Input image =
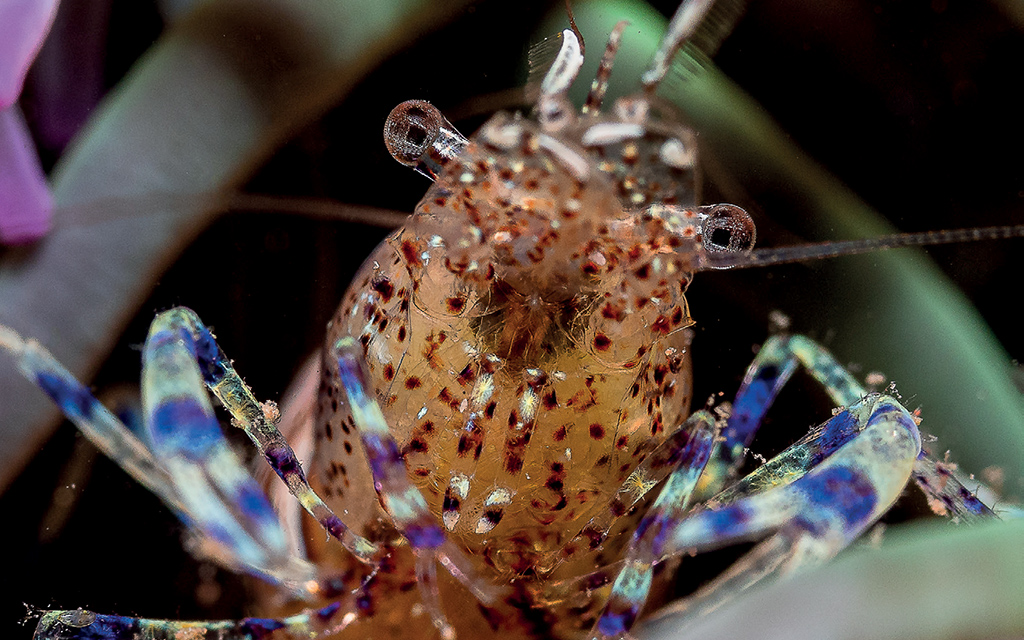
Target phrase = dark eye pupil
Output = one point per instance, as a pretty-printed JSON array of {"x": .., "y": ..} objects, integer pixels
[
  {"x": 416, "y": 135},
  {"x": 721, "y": 237}
]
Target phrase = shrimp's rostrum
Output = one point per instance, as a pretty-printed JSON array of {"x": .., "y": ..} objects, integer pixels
[{"x": 503, "y": 386}]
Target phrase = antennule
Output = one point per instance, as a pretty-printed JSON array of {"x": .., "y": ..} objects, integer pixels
[{"x": 683, "y": 25}]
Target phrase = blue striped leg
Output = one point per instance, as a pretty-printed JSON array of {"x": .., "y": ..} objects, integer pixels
[
  {"x": 178, "y": 336},
  {"x": 768, "y": 373},
  {"x": 186, "y": 460},
  {"x": 863, "y": 458},
  {"x": 633, "y": 583},
  {"x": 255, "y": 548},
  {"x": 311, "y": 623},
  {"x": 400, "y": 498},
  {"x": 681, "y": 458}
]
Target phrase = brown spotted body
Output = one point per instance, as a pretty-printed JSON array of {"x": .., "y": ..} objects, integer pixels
[{"x": 526, "y": 337}]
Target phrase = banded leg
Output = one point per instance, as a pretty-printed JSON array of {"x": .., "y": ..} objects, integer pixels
[
  {"x": 864, "y": 455},
  {"x": 633, "y": 583},
  {"x": 193, "y": 470},
  {"x": 311, "y": 623},
  {"x": 249, "y": 548},
  {"x": 181, "y": 335},
  {"x": 399, "y": 497},
  {"x": 773, "y": 366}
]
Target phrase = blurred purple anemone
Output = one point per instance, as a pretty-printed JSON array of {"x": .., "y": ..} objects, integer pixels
[{"x": 25, "y": 202}]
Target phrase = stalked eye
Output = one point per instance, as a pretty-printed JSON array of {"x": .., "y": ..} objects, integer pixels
[
  {"x": 418, "y": 136},
  {"x": 410, "y": 130},
  {"x": 726, "y": 227}
]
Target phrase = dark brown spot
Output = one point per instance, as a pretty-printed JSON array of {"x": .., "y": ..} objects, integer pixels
[
  {"x": 596, "y": 431},
  {"x": 660, "y": 371},
  {"x": 446, "y": 396},
  {"x": 456, "y": 304},
  {"x": 383, "y": 287},
  {"x": 411, "y": 253},
  {"x": 550, "y": 401},
  {"x": 513, "y": 463},
  {"x": 417, "y": 445},
  {"x": 412, "y": 382},
  {"x": 613, "y": 312},
  {"x": 601, "y": 341},
  {"x": 468, "y": 375}
]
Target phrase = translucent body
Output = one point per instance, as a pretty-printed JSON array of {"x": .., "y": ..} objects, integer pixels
[{"x": 526, "y": 337}]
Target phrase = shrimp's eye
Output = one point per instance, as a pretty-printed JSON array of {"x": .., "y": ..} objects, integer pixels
[
  {"x": 727, "y": 228},
  {"x": 411, "y": 129}
]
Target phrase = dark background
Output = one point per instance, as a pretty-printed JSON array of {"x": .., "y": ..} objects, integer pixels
[{"x": 914, "y": 105}]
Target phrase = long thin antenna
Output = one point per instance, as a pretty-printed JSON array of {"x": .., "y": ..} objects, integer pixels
[{"x": 805, "y": 252}]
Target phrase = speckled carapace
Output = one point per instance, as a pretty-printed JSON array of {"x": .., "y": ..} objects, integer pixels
[{"x": 526, "y": 335}]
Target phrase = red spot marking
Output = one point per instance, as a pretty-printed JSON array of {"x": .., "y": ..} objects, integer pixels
[
  {"x": 467, "y": 376},
  {"x": 389, "y": 372},
  {"x": 446, "y": 397},
  {"x": 471, "y": 440},
  {"x": 416, "y": 445},
  {"x": 560, "y": 434},
  {"x": 411, "y": 253},
  {"x": 513, "y": 463},
  {"x": 550, "y": 401},
  {"x": 601, "y": 341},
  {"x": 456, "y": 304},
  {"x": 412, "y": 382},
  {"x": 661, "y": 325},
  {"x": 596, "y": 431},
  {"x": 622, "y": 442},
  {"x": 434, "y": 342},
  {"x": 383, "y": 287},
  {"x": 401, "y": 333},
  {"x": 613, "y": 312},
  {"x": 660, "y": 371}
]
